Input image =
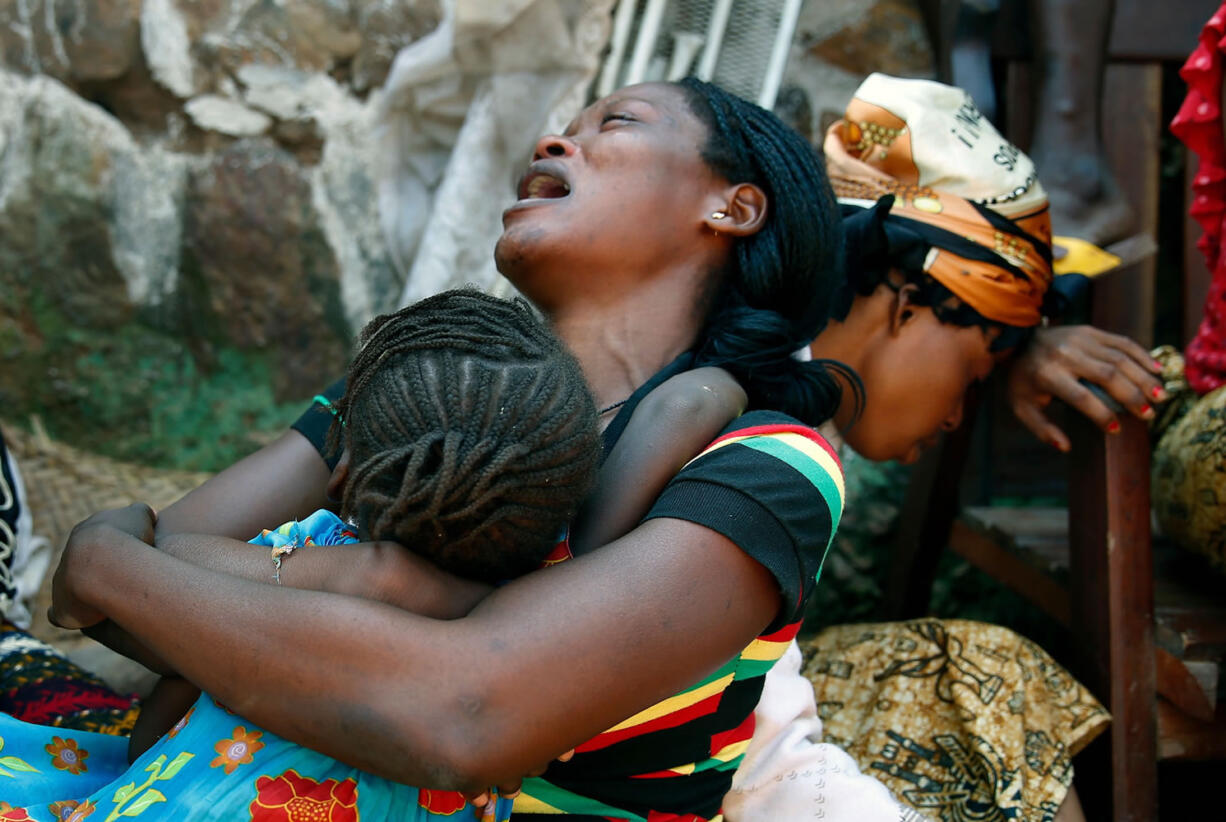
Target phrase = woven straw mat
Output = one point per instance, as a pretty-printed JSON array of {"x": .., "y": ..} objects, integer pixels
[{"x": 65, "y": 485}]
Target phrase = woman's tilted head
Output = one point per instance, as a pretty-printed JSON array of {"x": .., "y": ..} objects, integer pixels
[
  {"x": 948, "y": 255},
  {"x": 688, "y": 181},
  {"x": 470, "y": 434},
  {"x": 621, "y": 196}
]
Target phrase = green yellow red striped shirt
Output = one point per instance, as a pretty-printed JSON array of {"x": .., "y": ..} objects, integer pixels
[{"x": 775, "y": 488}]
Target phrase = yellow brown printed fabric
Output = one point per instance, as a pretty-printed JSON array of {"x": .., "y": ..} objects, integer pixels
[
  {"x": 953, "y": 714},
  {"x": 949, "y": 169}
]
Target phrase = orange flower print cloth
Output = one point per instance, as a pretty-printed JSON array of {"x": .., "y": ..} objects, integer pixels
[
  {"x": 66, "y": 756},
  {"x": 238, "y": 749}
]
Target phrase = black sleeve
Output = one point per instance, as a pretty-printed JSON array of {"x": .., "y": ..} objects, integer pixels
[
  {"x": 317, "y": 419},
  {"x": 772, "y": 486}
]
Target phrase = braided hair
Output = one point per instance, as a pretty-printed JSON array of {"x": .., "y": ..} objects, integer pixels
[
  {"x": 777, "y": 291},
  {"x": 471, "y": 434}
]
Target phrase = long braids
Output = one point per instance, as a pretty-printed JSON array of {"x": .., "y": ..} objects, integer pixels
[
  {"x": 778, "y": 291},
  {"x": 471, "y": 434}
]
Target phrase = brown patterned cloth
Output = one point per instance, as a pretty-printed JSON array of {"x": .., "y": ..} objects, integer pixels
[
  {"x": 961, "y": 720},
  {"x": 1188, "y": 479}
]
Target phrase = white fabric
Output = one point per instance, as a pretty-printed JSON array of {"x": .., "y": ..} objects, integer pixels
[
  {"x": 24, "y": 558},
  {"x": 789, "y": 774},
  {"x": 457, "y": 120},
  {"x": 955, "y": 148}
]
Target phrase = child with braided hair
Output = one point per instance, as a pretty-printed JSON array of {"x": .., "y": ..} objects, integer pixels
[{"x": 467, "y": 434}]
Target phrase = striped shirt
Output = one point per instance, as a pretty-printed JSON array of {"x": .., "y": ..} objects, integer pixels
[{"x": 775, "y": 488}]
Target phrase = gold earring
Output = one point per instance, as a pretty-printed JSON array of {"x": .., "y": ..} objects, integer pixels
[{"x": 718, "y": 215}]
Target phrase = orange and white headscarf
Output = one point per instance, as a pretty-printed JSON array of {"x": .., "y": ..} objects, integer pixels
[{"x": 970, "y": 193}]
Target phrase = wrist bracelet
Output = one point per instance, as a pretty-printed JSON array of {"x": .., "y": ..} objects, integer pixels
[{"x": 277, "y": 553}]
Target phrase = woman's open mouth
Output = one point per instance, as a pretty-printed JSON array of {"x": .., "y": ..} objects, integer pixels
[{"x": 543, "y": 180}]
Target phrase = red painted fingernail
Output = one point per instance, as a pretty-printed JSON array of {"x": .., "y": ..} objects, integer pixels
[
  {"x": 1157, "y": 392},
  {"x": 1055, "y": 444},
  {"x": 1113, "y": 427},
  {"x": 1145, "y": 409},
  {"x": 1157, "y": 365}
]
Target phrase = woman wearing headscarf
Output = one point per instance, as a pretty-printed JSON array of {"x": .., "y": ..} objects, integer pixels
[{"x": 948, "y": 273}]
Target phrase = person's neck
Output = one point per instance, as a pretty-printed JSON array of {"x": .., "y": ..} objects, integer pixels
[
  {"x": 848, "y": 341},
  {"x": 621, "y": 344}
]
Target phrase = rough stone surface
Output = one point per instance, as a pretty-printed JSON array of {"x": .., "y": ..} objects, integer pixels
[
  {"x": 57, "y": 192},
  {"x": 212, "y": 112},
  {"x": 840, "y": 42},
  {"x": 200, "y": 167},
  {"x": 70, "y": 39},
  {"x": 254, "y": 250},
  {"x": 386, "y": 27},
  {"x": 888, "y": 37}
]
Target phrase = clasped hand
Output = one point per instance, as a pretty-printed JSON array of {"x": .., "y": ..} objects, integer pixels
[{"x": 69, "y": 608}]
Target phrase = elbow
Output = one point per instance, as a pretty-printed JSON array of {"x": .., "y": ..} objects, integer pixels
[
  {"x": 676, "y": 405},
  {"x": 377, "y": 573},
  {"x": 466, "y": 748},
  {"x": 712, "y": 401}
]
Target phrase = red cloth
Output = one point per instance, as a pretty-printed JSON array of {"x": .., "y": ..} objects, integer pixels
[{"x": 1199, "y": 126}]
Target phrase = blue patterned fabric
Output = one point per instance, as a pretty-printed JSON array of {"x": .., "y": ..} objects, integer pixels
[{"x": 213, "y": 765}]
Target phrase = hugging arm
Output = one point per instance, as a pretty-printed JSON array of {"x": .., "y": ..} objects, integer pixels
[
  {"x": 401, "y": 695},
  {"x": 283, "y": 481},
  {"x": 1052, "y": 366}
]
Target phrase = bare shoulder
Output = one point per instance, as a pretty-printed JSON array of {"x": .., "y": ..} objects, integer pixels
[{"x": 700, "y": 392}]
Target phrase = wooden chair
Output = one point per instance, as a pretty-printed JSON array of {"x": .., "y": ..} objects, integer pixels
[{"x": 1146, "y": 642}]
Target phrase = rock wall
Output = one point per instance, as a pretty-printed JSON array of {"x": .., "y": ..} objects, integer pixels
[
  {"x": 189, "y": 230},
  {"x": 189, "y": 177},
  {"x": 840, "y": 42}
]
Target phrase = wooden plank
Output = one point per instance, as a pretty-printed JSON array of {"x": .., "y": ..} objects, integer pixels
[
  {"x": 1191, "y": 739},
  {"x": 1112, "y": 589},
  {"x": 1144, "y": 30},
  {"x": 1040, "y": 533},
  {"x": 1178, "y": 683},
  {"x": 1124, "y": 301},
  {"x": 1004, "y": 565}
]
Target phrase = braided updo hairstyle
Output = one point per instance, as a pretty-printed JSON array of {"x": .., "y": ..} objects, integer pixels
[
  {"x": 777, "y": 292},
  {"x": 471, "y": 434}
]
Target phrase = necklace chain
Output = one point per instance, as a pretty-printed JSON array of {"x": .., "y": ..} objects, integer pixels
[{"x": 609, "y": 408}]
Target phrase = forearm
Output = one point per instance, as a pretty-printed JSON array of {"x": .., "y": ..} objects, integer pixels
[
  {"x": 458, "y": 704},
  {"x": 297, "y": 664},
  {"x": 379, "y": 571},
  {"x": 121, "y": 642},
  {"x": 383, "y": 572}
]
